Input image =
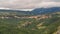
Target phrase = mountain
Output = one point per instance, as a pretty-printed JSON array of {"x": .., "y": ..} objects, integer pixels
[
  {"x": 36, "y": 11},
  {"x": 14, "y": 25},
  {"x": 45, "y": 10},
  {"x": 10, "y": 23},
  {"x": 18, "y": 12}
]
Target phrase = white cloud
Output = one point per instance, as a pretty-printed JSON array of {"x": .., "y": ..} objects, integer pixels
[
  {"x": 29, "y": 4},
  {"x": 49, "y": 4}
]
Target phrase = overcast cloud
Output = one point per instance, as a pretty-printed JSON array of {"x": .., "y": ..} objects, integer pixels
[{"x": 29, "y": 4}]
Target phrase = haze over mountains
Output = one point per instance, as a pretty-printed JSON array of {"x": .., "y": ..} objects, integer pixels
[
  {"x": 36, "y": 11},
  {"x": 16, "y": 9}
]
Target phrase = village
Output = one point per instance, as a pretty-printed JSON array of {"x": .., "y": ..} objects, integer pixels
[{"x": 36, "y": 17}]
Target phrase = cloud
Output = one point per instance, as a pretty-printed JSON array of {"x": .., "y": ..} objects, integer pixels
[
  {"x": 49, "y": 4},
  {"x": 29, "y": 4}
]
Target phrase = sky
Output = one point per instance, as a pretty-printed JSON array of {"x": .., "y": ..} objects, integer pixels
[{"x": 29, "y": 4}]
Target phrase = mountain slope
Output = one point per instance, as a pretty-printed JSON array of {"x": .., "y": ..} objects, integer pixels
[
  {"x": 45, "y": 10},
  {"x": 37, "y": 11}
]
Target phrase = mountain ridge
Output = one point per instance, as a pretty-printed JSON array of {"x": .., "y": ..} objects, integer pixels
[{"x": 36, "y": 11}]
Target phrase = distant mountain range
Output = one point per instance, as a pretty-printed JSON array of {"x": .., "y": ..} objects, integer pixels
[
  {"x": 36, "y": 11},
  {"x": 45, "y": 10}
]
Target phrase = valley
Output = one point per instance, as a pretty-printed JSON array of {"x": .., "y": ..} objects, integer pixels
[{"x": 20, "y": 22}]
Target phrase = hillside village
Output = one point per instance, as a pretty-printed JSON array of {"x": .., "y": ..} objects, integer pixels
[
  {"x": 6, "y": 15},
  {"x": 36, "y": 17}
]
